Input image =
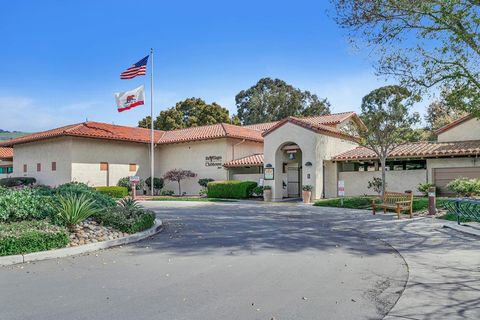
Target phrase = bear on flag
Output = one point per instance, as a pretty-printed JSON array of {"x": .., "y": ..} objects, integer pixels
[{"x": 130, "y": 99}]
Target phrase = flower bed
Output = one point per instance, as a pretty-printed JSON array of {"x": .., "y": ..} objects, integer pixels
[{"x": 42, "y": 218}]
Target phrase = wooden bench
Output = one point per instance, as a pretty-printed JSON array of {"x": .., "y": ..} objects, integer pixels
[{"x": 395, "y": 201}]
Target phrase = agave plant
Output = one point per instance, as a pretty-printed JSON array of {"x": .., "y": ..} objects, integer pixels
[
  {"x": 74, "y": 208},
  {"x": 129, "y": 207},
  {"x": 129, "y": 204}
]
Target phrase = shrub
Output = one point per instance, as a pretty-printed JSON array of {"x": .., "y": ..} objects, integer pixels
[
  {"x": 74, "y": 208},
  {"x": 376, "y": 184},
  {"x": 157, "y": 183},
  {"x": 125, "y": 221},
  {"x": 232, "y": 189},
  {"x": 257, "y": 191},
  {"x": 23, "y": 204},
  {"x": 31, "y": 236},
  {"x": 465, "y": 187},
  {"x": 125, "y": 182},
  {"x": 167, "y": 192},
  {"x": 423, "y": 187},
  {"x": 17, "y": 182},
  {"x": 113, "y": 191},
  {"x": 101, "y": 200},
  {"x": 204, "y": 182}
]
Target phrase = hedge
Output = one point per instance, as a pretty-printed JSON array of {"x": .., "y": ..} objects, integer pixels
[
  {"x": 17, "y": 182},
  {"x": 113, "y": 191},
  {"x": 31, "y": 236},
  {"x": 232, "y": 189}
]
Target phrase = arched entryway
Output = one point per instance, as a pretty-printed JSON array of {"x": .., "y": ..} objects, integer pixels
[{"x": 288, "y": 175}]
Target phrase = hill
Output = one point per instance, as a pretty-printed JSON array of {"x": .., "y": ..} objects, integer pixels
[{"x": 5, "y": 135}]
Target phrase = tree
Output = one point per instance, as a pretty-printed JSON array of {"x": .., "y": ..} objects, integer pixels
[
  {"x": 274, "y": 99},
  {"x": 188, "y": 113},
  {"x": 440, "y": 113},
  {"x": 157, "y": 183},
  {"x": 388, "y": 122},
  {"x": 178, "y": 175},
  {"x": 424, "y": 44}
]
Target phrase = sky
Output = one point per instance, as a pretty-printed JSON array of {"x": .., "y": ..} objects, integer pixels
[{"x": 61, "y": 60}]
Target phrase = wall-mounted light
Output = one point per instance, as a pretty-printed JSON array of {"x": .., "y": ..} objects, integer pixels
[
  {"x": 268, "y": 165},
  {"x": 308, "y": 164}
]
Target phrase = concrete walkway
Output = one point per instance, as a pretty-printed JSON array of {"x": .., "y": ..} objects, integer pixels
[{"x": 444, "y": 265}]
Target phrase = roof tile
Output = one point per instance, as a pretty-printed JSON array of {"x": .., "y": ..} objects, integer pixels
[
  {"x": 6, "y": 153},
  {"x": 418, "y": 149},
  {"x": 252, "y": 160}
]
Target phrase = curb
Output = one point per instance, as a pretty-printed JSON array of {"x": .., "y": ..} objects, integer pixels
[
  {"x": 70, "y": 251},
  {"x": 463, "y": 229}
]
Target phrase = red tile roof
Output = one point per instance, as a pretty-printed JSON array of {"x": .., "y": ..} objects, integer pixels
[
  {"x": 100, "y": 130},
  {"x": 253, "y": 160},
  {"x": 453, "y": 124},
  {"x": 313, "y": 125},
  {"x": 107, "y": 131},
  {"x": 418, "y": 150},
  {"x": 6, "y": 153},
  {"x": 214, "y": 131},
  {"x": 90, "y": 129}
]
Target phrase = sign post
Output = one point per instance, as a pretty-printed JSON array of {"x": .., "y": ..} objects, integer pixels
[
  {"x": 432, "y": 206},
  {"x": 134, "y": 180},
  {"x": 341, "y": 190}
]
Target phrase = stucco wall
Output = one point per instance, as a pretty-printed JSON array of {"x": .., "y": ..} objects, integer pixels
[
  {"x": 468, "y": 130},
  {"x": 330, "y": 179},
  {"x": 87, "y": 154},
  {"x": 240, "y": 148},
  {"x": 45, "y": 152},
  {"x": 315, "y": 149},
  {"x": 191, "y": 156},
  {"x": 247, "y": 177},
  {"x": 450, "y": 163},
  {"x": 397, "y": 181}
]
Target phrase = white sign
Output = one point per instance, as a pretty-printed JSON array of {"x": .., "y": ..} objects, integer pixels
[
  {"x": 134, "y": 179},
  {"x": 341, "y": 188}
]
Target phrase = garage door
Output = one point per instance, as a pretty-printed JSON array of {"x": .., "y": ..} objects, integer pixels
[{"x": 442, "y": 176}]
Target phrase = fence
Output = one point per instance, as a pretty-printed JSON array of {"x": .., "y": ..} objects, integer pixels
[{"x": 467, "y": 209}]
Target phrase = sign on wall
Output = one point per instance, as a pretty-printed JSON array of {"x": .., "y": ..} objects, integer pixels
[
  {"x": 268, "y": 173},
  {"x": 213, "y": 161}
]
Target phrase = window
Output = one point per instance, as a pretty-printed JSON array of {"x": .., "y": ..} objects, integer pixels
[
  {"x": 39, "y": 167},
  {"x": 132, "y": 167},
  {"x": 54, "y": 166},
  {"x": 24, "y": 168},
  {"x": 5, "y": 170},
  {"x": 103, "y": 166}
]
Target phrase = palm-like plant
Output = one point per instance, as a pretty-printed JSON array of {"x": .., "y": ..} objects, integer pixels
[
  {"x": 75, "y": 208},
  {"x": 129, "y": 204}
]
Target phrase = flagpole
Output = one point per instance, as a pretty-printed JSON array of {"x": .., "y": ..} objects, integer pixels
[{"x": 152, "y": 157}]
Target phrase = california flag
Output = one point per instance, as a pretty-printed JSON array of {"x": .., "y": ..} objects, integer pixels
[{"x": 130, "y": 99}]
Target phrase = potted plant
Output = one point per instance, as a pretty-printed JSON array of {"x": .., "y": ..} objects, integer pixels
[
  {"x": 307, "y": 193},
  {"x": 267, "y": 193}
]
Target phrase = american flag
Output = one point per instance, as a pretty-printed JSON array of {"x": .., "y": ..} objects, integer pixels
[{"x": 138, "y": 69}]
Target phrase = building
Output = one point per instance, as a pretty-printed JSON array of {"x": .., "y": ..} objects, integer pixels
[
  {"x": 284, "y": 154},
  {"x": 6, "y": 162}
]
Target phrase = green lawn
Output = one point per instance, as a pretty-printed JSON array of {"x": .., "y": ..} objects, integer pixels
[
  {"x": 365, "y": 202},
  {"x": 191, "y": 199}
]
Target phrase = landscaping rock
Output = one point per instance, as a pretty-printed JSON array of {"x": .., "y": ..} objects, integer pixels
[{"x": 89, "y": 231}]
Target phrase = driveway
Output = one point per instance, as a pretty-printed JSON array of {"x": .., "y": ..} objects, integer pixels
[{"x": 253, "y": 261}]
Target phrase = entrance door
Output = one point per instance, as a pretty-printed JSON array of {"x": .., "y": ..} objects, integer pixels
[{"x": 293, "y": 182}]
